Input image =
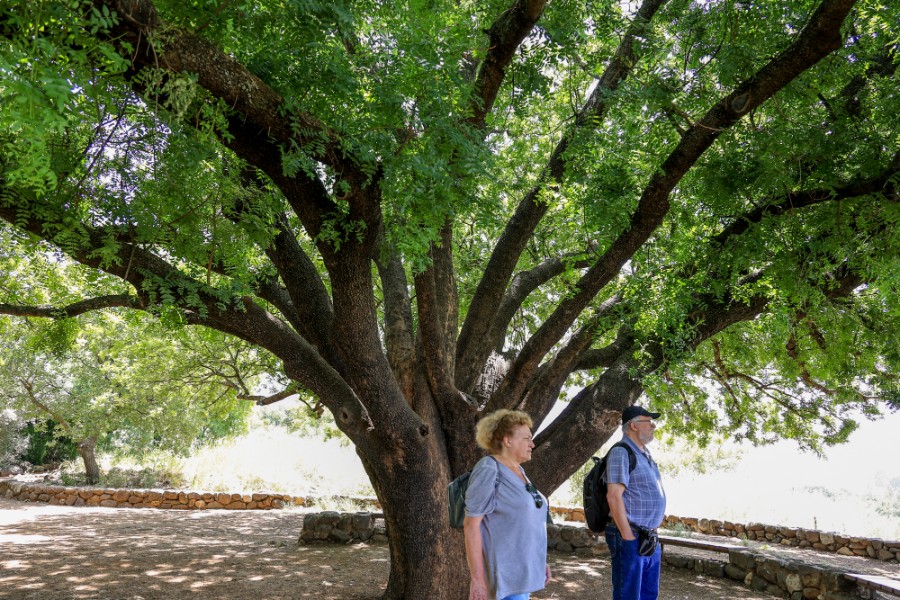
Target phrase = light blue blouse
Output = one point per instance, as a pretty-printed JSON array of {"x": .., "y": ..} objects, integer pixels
[{"x": 513, "y": 529}]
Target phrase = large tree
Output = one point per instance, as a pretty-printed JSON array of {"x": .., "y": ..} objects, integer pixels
[{"x": 431, "y": 210}]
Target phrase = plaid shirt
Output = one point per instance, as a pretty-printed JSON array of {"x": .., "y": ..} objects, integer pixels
[{"x": 645, "y": 498}]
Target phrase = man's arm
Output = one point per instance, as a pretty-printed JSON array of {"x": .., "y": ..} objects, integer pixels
[{"x": 614, "y": 493}]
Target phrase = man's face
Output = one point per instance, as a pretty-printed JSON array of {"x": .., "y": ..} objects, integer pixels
[{"x": 645, "y": 428}]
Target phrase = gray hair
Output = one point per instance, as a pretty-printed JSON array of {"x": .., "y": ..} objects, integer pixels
[{"x": 626, "y": 424}]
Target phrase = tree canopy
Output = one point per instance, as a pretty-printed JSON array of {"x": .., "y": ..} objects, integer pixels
[
  {"x": 431, "y": 210},
  {"x": 124, "y": 381}
]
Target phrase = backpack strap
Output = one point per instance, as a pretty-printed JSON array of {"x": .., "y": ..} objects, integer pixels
[
  {"x": 632, "y": 459},
  {"x": 497, "y": 480}
]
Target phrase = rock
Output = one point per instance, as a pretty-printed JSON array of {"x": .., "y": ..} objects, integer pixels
[
  {"x": 792, "y": 582},
  {"x": 734, "y": 572}
]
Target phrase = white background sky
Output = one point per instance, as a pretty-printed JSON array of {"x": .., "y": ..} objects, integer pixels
[
  {"x": 778, "y": 484},
  {"x": 781, "y": 485}
]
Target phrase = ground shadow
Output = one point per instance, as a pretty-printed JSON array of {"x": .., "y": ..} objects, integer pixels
[{"x": 63, "y": 553}]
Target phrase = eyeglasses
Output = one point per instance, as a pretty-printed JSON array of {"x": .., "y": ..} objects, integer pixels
[
  {"x": 651, "y": 421},
  {"x": 538, "y": 501}
]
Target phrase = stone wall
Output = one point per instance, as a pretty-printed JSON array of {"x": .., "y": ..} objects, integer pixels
[
  {"x": 578, "y": 538},
  {"x": 342, "y": 528},
  {"x": 781, "y": 578},
  {"x": 165, "y": 499},
  {"x": 575, "y": 539},
  {"x": 822, "y": 541}
]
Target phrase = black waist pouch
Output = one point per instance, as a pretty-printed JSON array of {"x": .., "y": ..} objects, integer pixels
[{"x": 648, "y": 540}]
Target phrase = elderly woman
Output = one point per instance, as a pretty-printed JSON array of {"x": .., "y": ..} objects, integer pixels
[{"x": 506, "y": 517}]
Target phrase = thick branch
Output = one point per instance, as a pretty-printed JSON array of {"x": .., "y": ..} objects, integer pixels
[
  {"x": 471, "y": 352},
  {"x": 521, "y": 287},
  {"x": 259, "y": 127},
  {"x": 287, "y": 392},
  {"x": 603, "y": 358},
  {"x": 242, "y": 317},
  {"x": 504, "y": 38},
  {"x": 398, "y": 323},
  {"x": 436, "y": 299},
  {"x": 304, "y": 285},
  {"x": 796, "y": 200},
  {"x": 157, "y": 45},
  {"x": 550, "y": 378},
  {"x": 74, "y": 309},
  {"x": 820, "y": 37}
]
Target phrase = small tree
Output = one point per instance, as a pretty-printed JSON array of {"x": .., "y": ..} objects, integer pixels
[{"x": 122, "y": 383}]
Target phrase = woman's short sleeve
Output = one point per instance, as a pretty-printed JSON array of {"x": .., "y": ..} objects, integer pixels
[{"x": 482, "y": 491}]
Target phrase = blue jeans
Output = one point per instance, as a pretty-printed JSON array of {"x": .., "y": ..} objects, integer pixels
[
  {"x": 517, "y": 597},
  {"x": 634, "y": 577}
]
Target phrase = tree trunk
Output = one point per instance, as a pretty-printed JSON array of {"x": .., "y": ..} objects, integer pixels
[
  {"x": 91, "y": 469},
  {"x": 427, "y": 557}
]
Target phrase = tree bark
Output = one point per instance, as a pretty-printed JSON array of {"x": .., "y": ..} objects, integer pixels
[
  {"x": 86, "y": 448},
  {"x": 427, "y": 557}
]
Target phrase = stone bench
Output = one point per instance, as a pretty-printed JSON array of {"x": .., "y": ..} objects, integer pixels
[
  {"x": 698, "y": 544},
  {"x": 875, "y": 582}
]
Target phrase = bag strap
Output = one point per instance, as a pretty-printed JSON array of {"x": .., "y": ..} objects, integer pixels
[
  {"x": 632, "y": 459},
  {"x": 497, "y": 467}
]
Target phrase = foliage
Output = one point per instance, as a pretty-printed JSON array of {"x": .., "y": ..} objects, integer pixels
[
  {"x": 421, "y": 211},
  {"x": 45, "y": 444},
  {"x": 99, "y": 142},
  {"x": 155, "y": 469},
  {"x": 132, "y": 386},
  {"x": 12, "y": 442}
]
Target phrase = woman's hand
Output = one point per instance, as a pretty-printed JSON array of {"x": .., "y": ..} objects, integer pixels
[
  {"x": 477, "y": 590},
  {"x": 549, "y": 576}
]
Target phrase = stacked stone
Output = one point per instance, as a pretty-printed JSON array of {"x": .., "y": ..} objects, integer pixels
[
  {"x": 822, "y": 541},
  {"x": 165, "y": 499},
  {"x": 788, "y": 579},
  {"x": 341, "y": 528},
  {"x": 565, "y": 513},
  {"x": 704, "y": 566},
  {"x": 572, "y": 539}
]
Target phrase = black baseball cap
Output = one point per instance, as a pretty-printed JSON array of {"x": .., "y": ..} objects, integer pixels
[{"x": 637, "y": 411}]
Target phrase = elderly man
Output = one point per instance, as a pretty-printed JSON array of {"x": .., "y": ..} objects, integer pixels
[{"x": 637, "y": 504}]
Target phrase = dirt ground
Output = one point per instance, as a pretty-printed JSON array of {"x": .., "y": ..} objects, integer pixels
[{"x": 62, "y": 553}]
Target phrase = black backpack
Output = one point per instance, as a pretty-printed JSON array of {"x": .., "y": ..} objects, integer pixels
[{"x": 596, "y": 508}]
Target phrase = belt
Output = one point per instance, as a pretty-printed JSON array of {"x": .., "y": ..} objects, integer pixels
[{"x": 637, "y": 528}]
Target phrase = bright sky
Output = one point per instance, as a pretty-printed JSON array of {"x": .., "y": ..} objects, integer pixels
[{"x": 780, "y": 485}]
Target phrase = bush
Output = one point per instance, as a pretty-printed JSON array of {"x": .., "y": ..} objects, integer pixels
[{"x": 46, "y": 445}]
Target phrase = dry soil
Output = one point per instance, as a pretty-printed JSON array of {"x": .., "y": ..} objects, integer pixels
[{"x": 62, "y": 553}]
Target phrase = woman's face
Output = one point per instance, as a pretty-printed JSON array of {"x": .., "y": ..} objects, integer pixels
[{"x": 519, "y": 444}]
